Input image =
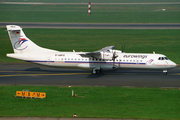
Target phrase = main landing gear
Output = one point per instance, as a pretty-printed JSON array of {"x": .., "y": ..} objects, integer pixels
[
  {"x": 165, "y": 72},
  {"x": 96, "y": 71}
]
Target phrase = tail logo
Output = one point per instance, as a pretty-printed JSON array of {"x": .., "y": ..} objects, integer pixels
[{"x": 19, "y": 45}]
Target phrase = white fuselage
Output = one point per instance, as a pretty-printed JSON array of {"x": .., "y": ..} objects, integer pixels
[{"x": 74, "y": 59}]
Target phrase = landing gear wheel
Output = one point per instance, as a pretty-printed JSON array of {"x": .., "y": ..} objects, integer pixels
[
  {"x": 165, "y": 72},
  {"x": 95, "y": 71},
  {"x": 99, "y": 71}
]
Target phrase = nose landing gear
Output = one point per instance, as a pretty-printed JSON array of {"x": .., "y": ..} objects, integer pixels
[{"x": 165, "y": 72}]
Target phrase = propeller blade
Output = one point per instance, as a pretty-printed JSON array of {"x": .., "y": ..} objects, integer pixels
[{"x": 114, "y": 57}]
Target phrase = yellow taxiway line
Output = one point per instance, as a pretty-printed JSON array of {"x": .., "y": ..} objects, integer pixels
[{"x": 42, "y": 74}]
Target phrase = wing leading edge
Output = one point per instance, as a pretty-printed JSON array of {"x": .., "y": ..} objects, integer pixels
[{"x": 99, "y": 52}]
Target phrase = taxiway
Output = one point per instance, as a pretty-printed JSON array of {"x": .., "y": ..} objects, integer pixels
[
  {"x": 94, "y": 25},
  {"x": 33, "y": 74}
]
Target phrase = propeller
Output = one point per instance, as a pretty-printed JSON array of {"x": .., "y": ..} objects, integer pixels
[{"x": 114, "y": 57}]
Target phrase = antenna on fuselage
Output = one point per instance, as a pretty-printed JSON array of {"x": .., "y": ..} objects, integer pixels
[{"x": 122, "y": 48}]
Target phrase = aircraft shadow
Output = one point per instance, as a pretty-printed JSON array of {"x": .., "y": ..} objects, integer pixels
[
  {"x": 38, "y": 69},
  {"x": 34, "y": 69},
  {"x": 96, "y": 76}
]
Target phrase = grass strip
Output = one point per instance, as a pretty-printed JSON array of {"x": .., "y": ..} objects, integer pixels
[
  {"x": 99, "y": 13},
  {"x": 93, "y": 102}
]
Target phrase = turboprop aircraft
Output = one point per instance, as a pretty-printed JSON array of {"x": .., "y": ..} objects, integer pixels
[{"x": 104, "y": 59}]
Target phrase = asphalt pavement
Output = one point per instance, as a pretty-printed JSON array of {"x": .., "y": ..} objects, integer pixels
[
  {"x": 33, "y": 74},
  {"x": 94, "y": 25}
]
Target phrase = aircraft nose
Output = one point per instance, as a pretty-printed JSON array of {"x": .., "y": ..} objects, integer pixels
[{"x": 173, "y": 64}]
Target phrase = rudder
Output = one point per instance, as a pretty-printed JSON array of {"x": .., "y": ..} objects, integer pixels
[{"x": 19, "y": 41}]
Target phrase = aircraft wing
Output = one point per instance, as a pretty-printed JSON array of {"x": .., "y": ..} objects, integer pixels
[
  {"x": 97, "y": 53},
  {"x": 105, "y": 49}
]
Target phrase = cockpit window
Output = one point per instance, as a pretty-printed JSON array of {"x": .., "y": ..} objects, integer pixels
[
  {"x": 166, "y": 58},
  {"x": 163, "y": 58}
]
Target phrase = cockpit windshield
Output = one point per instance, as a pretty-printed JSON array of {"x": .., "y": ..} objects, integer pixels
[{"x": 163, "y": 58}]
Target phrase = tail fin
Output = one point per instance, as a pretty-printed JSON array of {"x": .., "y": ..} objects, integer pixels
[{"x": 20, "y": 43}]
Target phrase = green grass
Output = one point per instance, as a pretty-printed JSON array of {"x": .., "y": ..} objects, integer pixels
[
  {"x": 98, "y": 102},
  {"x": 99, "y": 14},
  {"x": 165, "y": 42}
]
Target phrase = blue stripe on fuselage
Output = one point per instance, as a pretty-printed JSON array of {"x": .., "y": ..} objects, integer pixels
[{"x": 90, "y": 62}]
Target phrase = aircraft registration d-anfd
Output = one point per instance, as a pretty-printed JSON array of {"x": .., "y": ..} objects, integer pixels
[{"x": 105, "y": 59}]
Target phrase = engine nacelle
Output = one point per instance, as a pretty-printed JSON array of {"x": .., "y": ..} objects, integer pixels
[{"x": 105, "y": 56}]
